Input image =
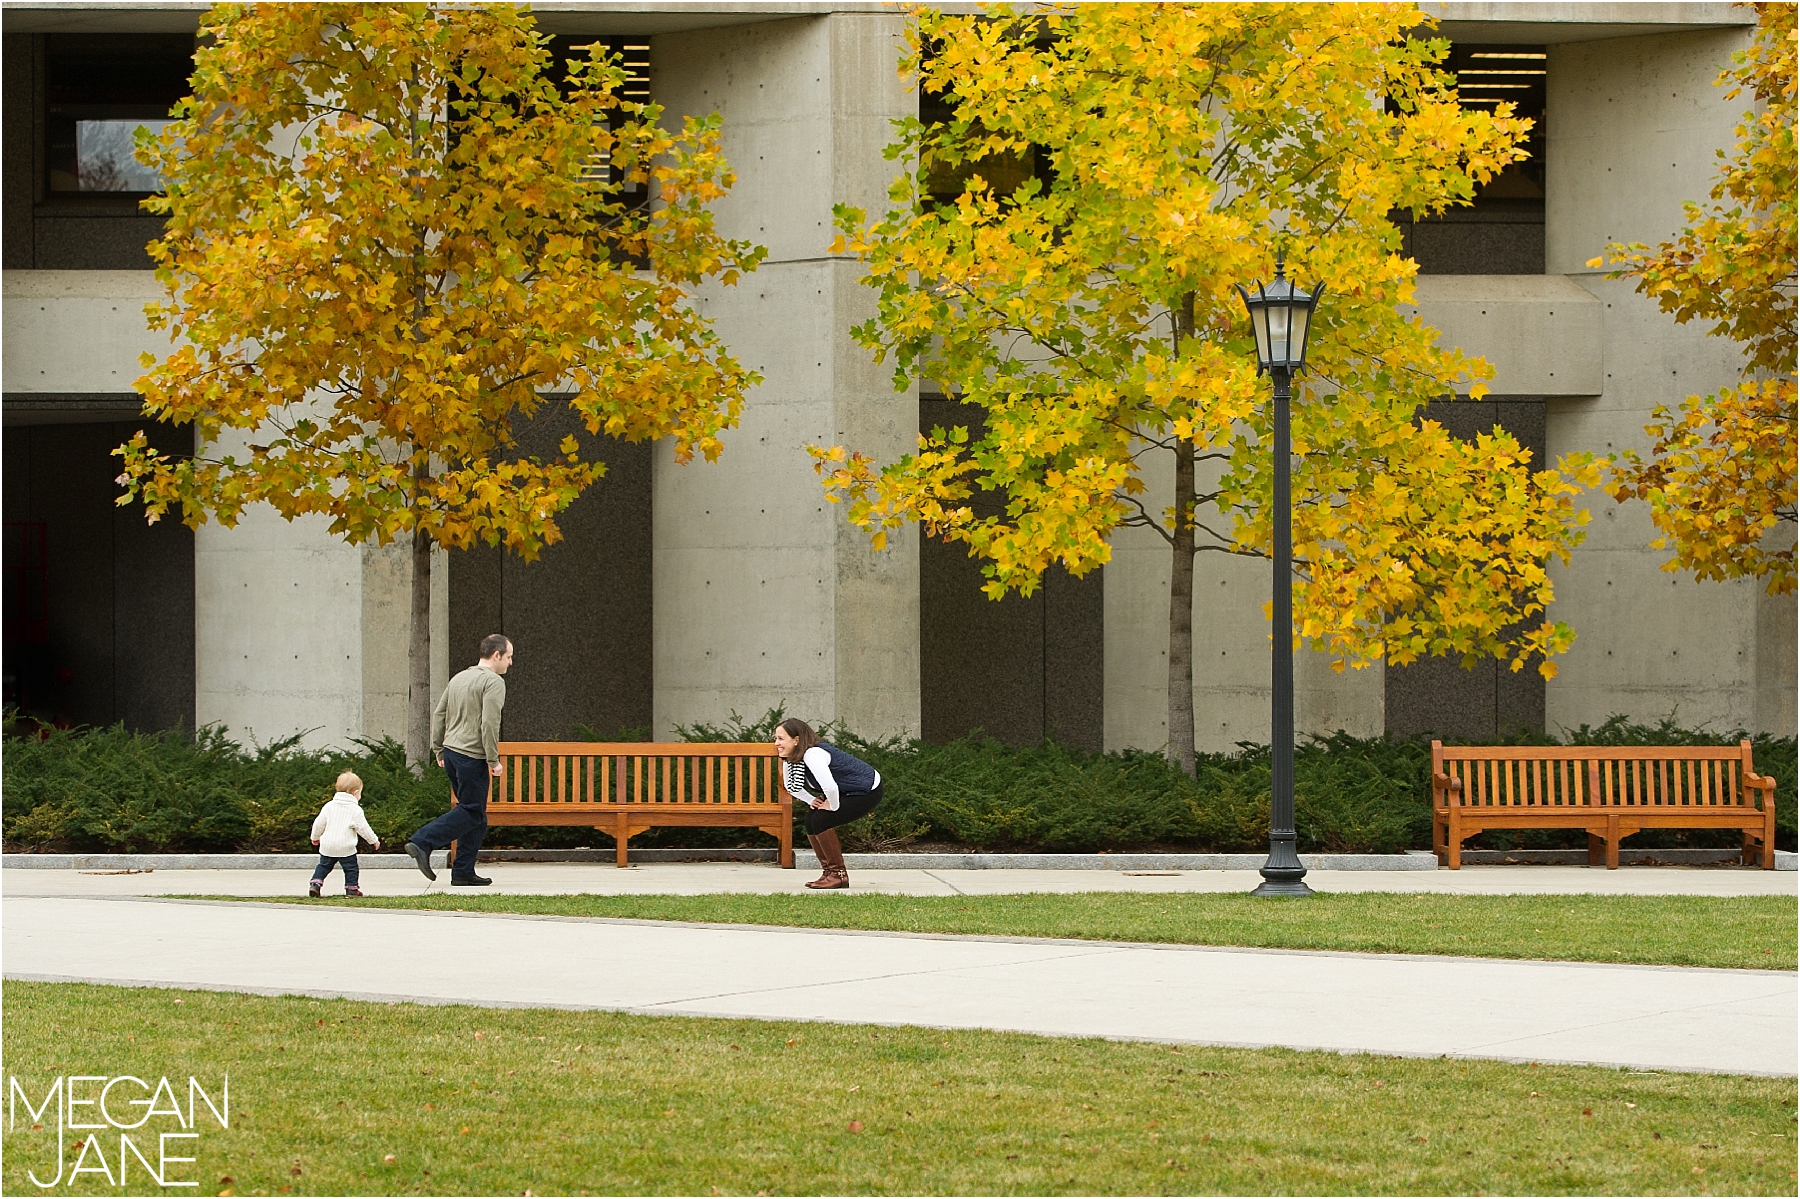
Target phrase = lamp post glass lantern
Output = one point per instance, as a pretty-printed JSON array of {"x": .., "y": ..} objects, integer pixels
[{"x": 1281, "y": 316}]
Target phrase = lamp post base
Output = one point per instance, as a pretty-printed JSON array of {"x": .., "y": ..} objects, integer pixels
[
  {"x": 1283, "y": 873},
  {"x": 1282, "y": 882}
]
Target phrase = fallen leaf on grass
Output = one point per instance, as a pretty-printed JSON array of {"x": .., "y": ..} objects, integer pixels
[
  {"x": 389, "y": 1158},
  {"x": 856, "y": 1126}
]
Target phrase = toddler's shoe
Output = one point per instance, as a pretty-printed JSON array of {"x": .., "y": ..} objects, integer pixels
[
  {"x": 312, "y": 888},
  {"x": 354, "y": 892}
]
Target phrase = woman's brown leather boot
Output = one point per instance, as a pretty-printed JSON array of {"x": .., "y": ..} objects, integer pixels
[
  {"x": 824, "y": 866},
  {"x": 831, "y": 859}
]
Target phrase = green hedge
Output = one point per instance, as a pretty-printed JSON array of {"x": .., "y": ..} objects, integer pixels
[
  {"x": 94, "y": 790},
  {"x": 109, "y": 790}
]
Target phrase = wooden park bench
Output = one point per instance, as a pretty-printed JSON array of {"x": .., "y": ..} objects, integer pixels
[
  {"x": 627, "y": 787},
  {"x": 1611, "y": 791}
]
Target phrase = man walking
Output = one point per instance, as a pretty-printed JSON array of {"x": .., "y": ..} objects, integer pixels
[{"x": 465, "y": 739}]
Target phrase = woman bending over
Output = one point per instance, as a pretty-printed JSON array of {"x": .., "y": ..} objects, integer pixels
[{"x": 836, "y": 788}]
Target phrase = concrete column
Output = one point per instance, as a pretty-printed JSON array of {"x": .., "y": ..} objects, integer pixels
[
  {"x": 1231, "y": 647},
  {"x": 386, "y": 617},
  {"x": 1634, "y": 124},
  {"x": 278, "y": 619},
  {"x": 295, "y": 631},
  {"x": 763, "y": 594}
]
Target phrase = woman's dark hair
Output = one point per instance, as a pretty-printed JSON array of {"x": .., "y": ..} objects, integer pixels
[{"x": 803, "y": 735}]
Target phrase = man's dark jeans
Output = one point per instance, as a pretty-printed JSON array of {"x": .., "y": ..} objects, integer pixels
[
  {"x": 352, "y": 869},
  {"x": 466, "y": 823}
]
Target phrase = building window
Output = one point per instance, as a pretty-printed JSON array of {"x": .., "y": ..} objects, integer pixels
[
  {"x": 634, "y": 54},
  {"x": 99, "y": 90},
  {"x": 1502, "y": 232},
  {"x": 1487, "y": 76}
]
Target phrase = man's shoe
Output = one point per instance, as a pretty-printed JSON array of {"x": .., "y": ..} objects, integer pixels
[
  {"x": 471, "y": 880},
  {"x": 422, "y": 858}
]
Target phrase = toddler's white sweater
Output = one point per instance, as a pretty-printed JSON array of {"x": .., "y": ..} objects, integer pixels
[{"x": 338, "y": 825}]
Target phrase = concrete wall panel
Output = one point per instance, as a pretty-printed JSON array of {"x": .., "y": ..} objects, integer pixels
[
  {"x": 763, "y": 594},
  {"x": 1634, "y": 126},
  {"x": 278, "y": 609},
  {"x": 386, "y": 627},
  {"x": 1231, "y": 648},
  {"x": 1541, "y": 333},
  {"x": 77, "y": 331}
]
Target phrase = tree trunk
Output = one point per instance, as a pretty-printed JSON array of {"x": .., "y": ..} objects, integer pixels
[
  {"x": 1181, "y": 585},
  {"x": 418, "y": 656}
]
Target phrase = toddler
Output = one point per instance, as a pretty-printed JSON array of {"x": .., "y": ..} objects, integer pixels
[{"x": 335, "y": 831}]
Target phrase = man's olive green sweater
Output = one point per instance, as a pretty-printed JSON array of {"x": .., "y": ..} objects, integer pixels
[{"x": 467, "y": 717}]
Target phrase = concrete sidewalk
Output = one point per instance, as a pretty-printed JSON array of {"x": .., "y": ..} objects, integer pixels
[
  {"x": 1651, "y": 1018},
  {"x": 705, "y": 878}
]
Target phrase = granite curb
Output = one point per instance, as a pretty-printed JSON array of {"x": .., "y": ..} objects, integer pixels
[
  {"x": 803, "y": 859},
  {"x": 203, "y": 861},
  {"x": 1416, "y": 859}
]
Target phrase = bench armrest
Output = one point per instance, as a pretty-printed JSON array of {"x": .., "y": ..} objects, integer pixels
[
  {"x": 1759, "y": 782},
  {"x": 1443, "y": 784}
]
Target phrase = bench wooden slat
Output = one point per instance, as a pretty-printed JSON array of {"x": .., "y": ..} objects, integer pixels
[
  {"x": 626, "y": 788},
  {"x": 1611, "y": 791}
]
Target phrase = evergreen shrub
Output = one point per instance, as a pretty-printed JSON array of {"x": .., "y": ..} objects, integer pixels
[{"x": 110, "y": 790}]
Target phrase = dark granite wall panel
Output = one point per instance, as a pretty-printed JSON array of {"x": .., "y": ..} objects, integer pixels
[
  {"x": 18, "y": 138},
  {"x": 1075, "y": 659},
  {"x": 1478, "y": 248},
  {"x": 1438, "y": 695},
  {"x": 981, "y": 662},
  {"x": 579, "y": 616},
  {"x": 1476, "y": 243},
  {"x": 109, "y": 242},
  {"x": 121, "y": 592},
  {"x": 1020, "y": 669}
]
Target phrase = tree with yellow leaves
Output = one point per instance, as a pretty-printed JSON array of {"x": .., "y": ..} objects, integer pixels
[
  {"x": 1090, "y": 309},
  {"x": 1720, "y": 477},
  {"x": 391, "y": 235}
]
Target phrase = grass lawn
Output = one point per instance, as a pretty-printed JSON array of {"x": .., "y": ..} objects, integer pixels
[
  {"x": 341, "y": 1097},
  {"x": 1757, "y": 932}
]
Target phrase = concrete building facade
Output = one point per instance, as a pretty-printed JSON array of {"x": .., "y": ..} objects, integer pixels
[{"x": 684, "y": 594}]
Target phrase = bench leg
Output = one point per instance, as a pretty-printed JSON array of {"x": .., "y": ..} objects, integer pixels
[
  {"x": 621, "y": 835},
  {"x": 1596, "y": 849},
  {"x": 784, "y": 836},
  {"x": 1612, "y": 842},
  {"x": 1768, "y": 836},
  {"x": 1453, "y": 839}
]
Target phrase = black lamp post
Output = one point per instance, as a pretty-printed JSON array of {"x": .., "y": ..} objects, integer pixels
[{"x": 1280, "y": 313}]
